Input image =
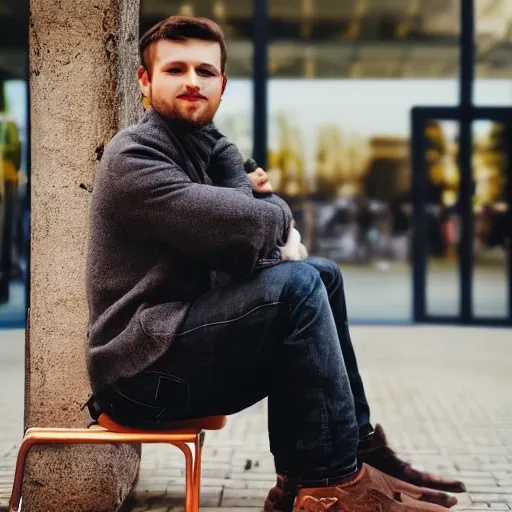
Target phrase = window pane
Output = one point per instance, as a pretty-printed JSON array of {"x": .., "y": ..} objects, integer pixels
[
  {"x": 443, "y": 221},
  {"x": 491, "y": 173},
  {"x": 493, "y": 70},
  {"x": 13, "y": 161},
  {"x": 491, "y": 92},
  {"x": 493, "y": 25},
  {"x": 364, "y": 38},
  {"x": 344, "y": 77},
  {"x": 234, "y": 117},
  {"x": 14, "y": 201},
  {"x": 338, "y": 148}
]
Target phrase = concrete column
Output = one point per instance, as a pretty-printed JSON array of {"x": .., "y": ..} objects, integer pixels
[{"x": 83, "y": 60}]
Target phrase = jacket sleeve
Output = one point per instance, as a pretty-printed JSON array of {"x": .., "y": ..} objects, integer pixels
[
  {"x": 222, "y": 227},
  {"x": 226, "y": 169}
]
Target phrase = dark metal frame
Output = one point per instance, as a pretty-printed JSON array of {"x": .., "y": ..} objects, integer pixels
[
  {"x": 420, "y": 118},
  {"x": 465, "y": 113},
  {"x": 260, "y": 74}
]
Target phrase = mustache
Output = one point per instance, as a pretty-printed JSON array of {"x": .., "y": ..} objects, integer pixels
[{"x": 193, "y": 94}]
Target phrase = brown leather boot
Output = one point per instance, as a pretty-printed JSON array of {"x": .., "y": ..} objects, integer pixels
[
  {"x": 374, "y": 450},
  {"x": 369, "y": 491},
  {"x": 281, "y": 497}
]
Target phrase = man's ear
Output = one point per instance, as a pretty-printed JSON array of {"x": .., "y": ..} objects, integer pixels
[
  {"x": 144, "y": 82},
  {"x": 224, "y": 82}
]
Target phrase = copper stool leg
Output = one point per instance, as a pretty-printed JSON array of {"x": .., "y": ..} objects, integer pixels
[
  {"x": 198, "y": 449},
  {"x": 192, "y": 472},
  {"x": 26, "y": 444}
]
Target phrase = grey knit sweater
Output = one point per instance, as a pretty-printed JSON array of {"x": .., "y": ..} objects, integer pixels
[{"x": 169, "y": 207}]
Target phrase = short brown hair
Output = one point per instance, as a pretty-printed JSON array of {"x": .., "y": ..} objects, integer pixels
[{"x": 181, "y": 28}]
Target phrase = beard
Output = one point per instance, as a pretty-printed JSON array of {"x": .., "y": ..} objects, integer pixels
[{"x": 180, "y": 116}]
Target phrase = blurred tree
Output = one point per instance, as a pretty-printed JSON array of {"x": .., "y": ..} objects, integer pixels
[
  {"x": 329, "y": 168},
  {"x": 436, "y": 148},
  {"x": 289, "y": 161},
  {"x": 494, "y": 155},
  {"x": 10, "y": 161},
  {"x": 500, "y": 148},
  {"x": 388, "y": 173}
]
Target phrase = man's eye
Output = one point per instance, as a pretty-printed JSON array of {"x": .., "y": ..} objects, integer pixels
[
  {"x": 174, "y": 70},
  {"x": 206, "y": 72}
]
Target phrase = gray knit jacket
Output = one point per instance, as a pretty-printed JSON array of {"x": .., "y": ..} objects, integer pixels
[{"x": 170, "y": 206}]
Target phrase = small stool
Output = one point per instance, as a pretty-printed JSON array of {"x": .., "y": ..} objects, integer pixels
[{"x": 181, "y": 434}]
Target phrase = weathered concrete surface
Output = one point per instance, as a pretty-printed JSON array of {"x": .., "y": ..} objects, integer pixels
[{"x": 83, "y": 59}]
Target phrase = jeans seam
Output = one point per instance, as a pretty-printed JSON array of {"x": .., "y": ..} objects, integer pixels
[
  {"x": 157, "y": 387},
  {"x": 332, "y": 292},
  {"x": 324, "y": 406},
  {"x": 229, "y": 321},
  {"x": 291, "y": 308},
  {"x": 347, "y": 471},
  {"x": 165, "y": 375},
  {"x": 353, "y": 470}
]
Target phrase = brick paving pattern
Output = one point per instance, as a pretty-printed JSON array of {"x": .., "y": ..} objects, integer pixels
[{"x": 443, "y": 395}]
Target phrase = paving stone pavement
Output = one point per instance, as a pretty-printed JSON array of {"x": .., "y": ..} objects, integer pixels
[{"x": 443, "y": 394}]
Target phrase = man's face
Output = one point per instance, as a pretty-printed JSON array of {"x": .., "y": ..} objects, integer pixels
[{"x": 186, "y": 82}]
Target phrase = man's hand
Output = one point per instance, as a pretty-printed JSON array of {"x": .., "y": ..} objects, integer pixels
[
  {"x": 259, "y": 180},
  {"x": 293, "y": 250},
  {"x": 303, "y": 252}
]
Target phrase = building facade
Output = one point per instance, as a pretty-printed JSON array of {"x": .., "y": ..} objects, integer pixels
[{"x": 322, "y": 94}]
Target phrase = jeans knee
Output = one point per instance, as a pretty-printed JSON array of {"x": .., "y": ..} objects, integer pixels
[
  {"x": 301, "y": 280},
  {"x": 329, "y": 270}
]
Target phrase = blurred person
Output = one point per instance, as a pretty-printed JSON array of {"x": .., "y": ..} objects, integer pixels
[
  {"x": 400, "y": 228},
  {"x": 448, "y": 223},
  {"x": 482, "y": 229},
  {"x": 364, "y": 219},
  {"x": 500, "y": 226},
  {"x": 10, "y": 163},
  {"x": 172, "y": 205}
]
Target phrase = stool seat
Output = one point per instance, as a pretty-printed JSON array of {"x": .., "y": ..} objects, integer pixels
[{"x": 207, "y": 423}]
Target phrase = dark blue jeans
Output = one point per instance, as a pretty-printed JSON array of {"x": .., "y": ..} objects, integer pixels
[{"x": 282, "y": 334}]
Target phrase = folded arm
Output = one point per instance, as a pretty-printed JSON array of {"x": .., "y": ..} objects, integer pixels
[
  {"x": 224, "y": 228},
  {"x": 226, "y": 169}
]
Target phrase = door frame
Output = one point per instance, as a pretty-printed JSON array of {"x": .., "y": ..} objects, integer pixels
[{"x": 420, "y": 116}]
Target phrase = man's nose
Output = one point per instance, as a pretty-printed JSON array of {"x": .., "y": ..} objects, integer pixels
[{"x": 192, "y": 79}]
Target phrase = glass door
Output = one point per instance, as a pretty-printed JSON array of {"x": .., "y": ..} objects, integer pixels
[
  {"x": 491, "y": 170},
  {"x": 440, "y": 285}
]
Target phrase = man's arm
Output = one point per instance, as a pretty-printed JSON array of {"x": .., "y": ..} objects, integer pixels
[
  {"x": 226, "y": 169},
  {"x": 222, "y": 227}
]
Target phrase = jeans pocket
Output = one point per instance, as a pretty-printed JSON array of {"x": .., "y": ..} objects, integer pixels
[
  {"x": 173, "y": 394},
  {"x": 150, "y": 397},
  {"x": 129, "y": 411}
]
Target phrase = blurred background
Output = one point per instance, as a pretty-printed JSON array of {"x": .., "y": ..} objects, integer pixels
[{"x": 340, "y": 80}]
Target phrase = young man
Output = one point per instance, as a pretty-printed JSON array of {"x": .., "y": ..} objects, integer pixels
[{"x": 200, "y": 303}]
